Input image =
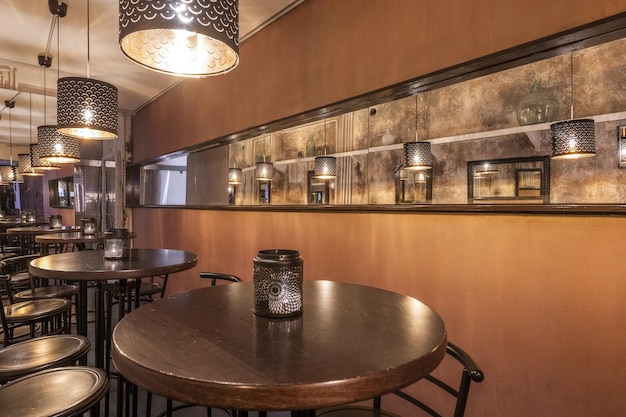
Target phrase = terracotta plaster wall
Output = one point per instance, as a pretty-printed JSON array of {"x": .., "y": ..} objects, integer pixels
[
  {"x": 325, "y": 51},
  {"x": 538, "y": 300}
]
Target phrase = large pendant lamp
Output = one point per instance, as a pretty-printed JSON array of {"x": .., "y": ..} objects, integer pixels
[
  {"x": 86, "y": 108},
  {"x": 325, "y": 166},
  {"x": 55, "y": 147},
  {"x": 189, "y": 38},
  {"x": 573, "y": 139},
  {"x": 45, "y": 61}
]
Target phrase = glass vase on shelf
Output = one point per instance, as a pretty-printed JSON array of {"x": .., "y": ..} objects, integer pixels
[{"x": 537, "y": 107}]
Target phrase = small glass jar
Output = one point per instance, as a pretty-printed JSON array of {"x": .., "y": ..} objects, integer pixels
[
  {"x": 55, "y": 221},
  {"x": 88, "y": 226},
  {"x": 117, "y": 244}
]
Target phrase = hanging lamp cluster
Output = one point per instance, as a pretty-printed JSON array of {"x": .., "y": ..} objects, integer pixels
[{"x": 189, "y": 38}]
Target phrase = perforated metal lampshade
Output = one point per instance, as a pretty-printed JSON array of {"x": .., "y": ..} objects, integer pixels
[
  {"x": 417, "y": 156},
  {"x": 264, "y": 171},
  {"x": 325, "y": 167},
  {"x": 25, "y": 167},
  {"x": 573, "y": 139},
  {"x": 55, "y": 147},
  {"x": 9, "y": 174},
  {"x": 39, "y": 163},
  {"x": 86, "y": 108},
  {"x": 234, "y": 176},
  {"x": 191, "y": 38}
]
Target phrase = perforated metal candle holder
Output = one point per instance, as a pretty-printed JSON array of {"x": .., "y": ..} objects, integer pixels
[{"x": 278, "y": 276}]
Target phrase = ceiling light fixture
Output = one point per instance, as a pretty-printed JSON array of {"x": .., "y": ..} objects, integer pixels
[
  {"x": 53, "y": 146},
  {"x": 325, "y": 166},
  {"x": 573, "y": 139},
  {"x": 45, "y": 61},
  {"x": 24, "y": 160},
  {"x": 9, "y": 173},
  {"x": 189, "y": 38},
  {"x": 417, "y": 155},
  {"x": 264, "y": 171},
  {"x": 86, "y": 108}
]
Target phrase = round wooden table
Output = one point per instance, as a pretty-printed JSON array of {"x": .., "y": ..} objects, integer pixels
[
  {"x": 85, "y": 266},
  {"x": 79, "y": 239},
  {"x": 351, "y": 343},
  {"x": 27, "y": 233}
]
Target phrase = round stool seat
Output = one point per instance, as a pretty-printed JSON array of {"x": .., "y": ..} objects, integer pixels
[
  {"x": 49, "y": 291},
  {"x": 35, "y": 309},
  {"x": 58, "y": 392},
  {"x": 41, "y": 353}
]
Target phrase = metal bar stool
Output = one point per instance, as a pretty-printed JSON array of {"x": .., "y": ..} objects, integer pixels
[
  {"x": 58, "y": 392},
  {"x": 41, "y": 353}
]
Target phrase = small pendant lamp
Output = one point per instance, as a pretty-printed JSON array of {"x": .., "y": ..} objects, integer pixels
[
  {"x": 86, "y": 108},
  {"x": 234, "y": 176},
  {"x": 325, "y": 166},
  {"x": 264, "y": 171},
  {"x": 417, "y": 155},
  {"x": 189, "y": 38},
  {"x": 24, "y": 161},
  {"x": 573, "y": 139}
]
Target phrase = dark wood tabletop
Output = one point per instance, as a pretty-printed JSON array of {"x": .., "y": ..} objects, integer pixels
[
  {"x": 351, "y": 343},
  {"x": 91, "y": 265},
  {"x": 30, "y": 230},
  {"x": 78, "y": 239}
]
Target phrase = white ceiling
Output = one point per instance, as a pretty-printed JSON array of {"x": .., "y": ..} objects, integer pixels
[{"x": 25, "y": 26}]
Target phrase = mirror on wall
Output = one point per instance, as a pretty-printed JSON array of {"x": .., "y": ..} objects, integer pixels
[
  {"x": 61, "y": 192},
  {"x": 515, "y": 180},
  {"x": 467, "y": 124}
]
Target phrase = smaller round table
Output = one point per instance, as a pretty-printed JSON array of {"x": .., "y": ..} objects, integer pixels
[{"x": 79, "y": 239}]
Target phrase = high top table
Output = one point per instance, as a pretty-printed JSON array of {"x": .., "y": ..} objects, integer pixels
[
  {"x": 77, "y": 238},
  {"x": 85, "y": 266},
  {"x": 351, "y": 343}
]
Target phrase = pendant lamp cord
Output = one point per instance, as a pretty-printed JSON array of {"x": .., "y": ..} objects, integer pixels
[
  {"x": 571, "y": 65},
  {"x": 88, "y": 51}
]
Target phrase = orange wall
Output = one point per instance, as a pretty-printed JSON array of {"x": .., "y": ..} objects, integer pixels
[{"x": 538, "y": 300}]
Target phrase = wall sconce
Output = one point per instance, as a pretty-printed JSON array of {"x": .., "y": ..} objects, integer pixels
[
  {"x": 234, "y": 176},
  {"x": 191, "y": 38},
  {"x": 573, "y": 139}
]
